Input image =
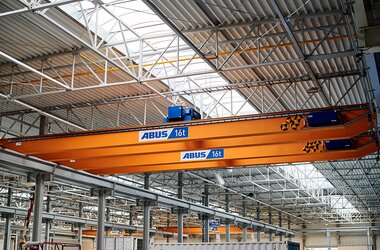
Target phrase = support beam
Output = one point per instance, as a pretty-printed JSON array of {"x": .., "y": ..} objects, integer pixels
[
  {"x": 27, "y": 67},
  {"x": 101, "y": 219},
  {"x": 38, "y": 205},
  {"x": 244, "y": 215},
  {"x": 205, "y": 217},
  {"x": 47, "y": 221},
  {"x": 258, "y": 215},
  {"x": 369, "y": 239},
  {"x": 270, "y": 222},
  {"x": 43, "y": 125},
  {"x": 298, "y": 49},
  {"x": 108, "y": 216},
  {"x": 80, "y": 226},
  {"x": 289, "y": 227},
  {"x": 7, "y": 229},
  {"x": 35, "y": 109},
  {"x": 146, "y": 235},
  {"x": 328, "y": 238},
  {"x": 280, "y": 222},
  {"x": 180, "y": 213},
  {"x": 228, "y": 226},
  {"x": 35, "y": 7}
]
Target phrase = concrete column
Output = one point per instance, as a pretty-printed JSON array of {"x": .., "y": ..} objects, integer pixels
[
  {"x": 180, "y": 214},
  {"x": 80, "y": 227},
  {"x": 244, "y": 236},
  {"x": 38, "y": 204},
  {"x": 47, "y": 222},
  {"x": 146, "y": 226},
  {"x": 206, "y": 221},
  {"x": 7, "y": 233},
  {"x": 258, "y": 211},
  {"x": 228, "y": 227},
  {"x": 270, "y": 222},
  {"x": 101, "y": 219}
]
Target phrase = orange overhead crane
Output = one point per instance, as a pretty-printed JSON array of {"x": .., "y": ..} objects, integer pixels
[{"x": 272, "y": 138}]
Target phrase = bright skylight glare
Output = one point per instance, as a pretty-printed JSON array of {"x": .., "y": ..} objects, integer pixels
[{"x": 160, "y": 48}]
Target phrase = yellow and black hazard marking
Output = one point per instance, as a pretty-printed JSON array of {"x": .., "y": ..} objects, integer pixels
[
  {"x": 292, "y": 123},
  {"x": 312, "y": 147}
]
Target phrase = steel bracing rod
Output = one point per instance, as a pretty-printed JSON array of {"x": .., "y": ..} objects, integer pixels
[
  {"x": 326, "y": 35},
  {"x": 84, "y": 43},
  {"x": 298, "y": 49},
  {"x": 30, "y": 107},
  {"x": 35, "y": 7},
  {"x": 197, "y": 73},
  {"x": 166, "y": 20},
  {"x": 244, "y": 85},
  {"x": 25, "y": 66},
  {"x": 183, "y": 47},
  {"x": 17, "y": 162}
]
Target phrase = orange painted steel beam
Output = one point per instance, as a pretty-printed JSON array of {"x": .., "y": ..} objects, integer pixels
[
  {"x": 312, "y": 157},
  {"x": 156, "y": 159},
  {"x": 350, "y": 130},
  {"x": 237, "y": 141},
  {"x": 249, "y": 126}
]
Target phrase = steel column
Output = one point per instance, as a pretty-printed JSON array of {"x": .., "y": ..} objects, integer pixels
[
  {"x": 47, "y": 221},
  {"x": 258, "y": 211},
  {"x": 107, "y": 218},
  {"x": 180, "y": 213},
  {"x": 7, "y": 233},
  {"x": 146, "y": 229},
  {"x": 228, "y": 227},
  {"x": 328, "y": 236},
  {"x": 244, "y": 215},
  {"x": 369, "y": 240},
  {"x": 38, "y": 204},
  {"x": 280, "y": 222},
  {"x": 270, "y": 222},
  {"x": 80, "y": 227},
  {"x": 101, "y": 219},
  {"x": 206, "y": 220}
]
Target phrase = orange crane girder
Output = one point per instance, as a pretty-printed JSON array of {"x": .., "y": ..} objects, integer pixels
[{"x": 212, "y": 143}]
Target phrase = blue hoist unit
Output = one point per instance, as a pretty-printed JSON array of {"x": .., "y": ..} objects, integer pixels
[
  {"x": 179, "y": 113},
  {"x": 323, "y": 118}
]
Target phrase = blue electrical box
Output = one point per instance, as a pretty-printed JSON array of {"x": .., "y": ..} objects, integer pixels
[
  {"x": 293, "y": 245},
  {"x": 175, "y": 113},
  {"x": 179, "y": 113},
  {"x": 339, "y": 144},
  {"x": 323, "y": 118}
]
